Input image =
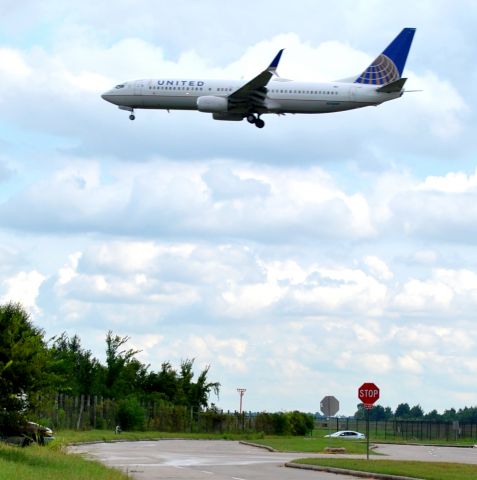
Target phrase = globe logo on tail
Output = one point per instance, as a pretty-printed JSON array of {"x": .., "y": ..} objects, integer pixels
[{"x": 380, "y": 72}]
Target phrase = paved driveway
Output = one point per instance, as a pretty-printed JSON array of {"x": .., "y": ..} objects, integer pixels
[
  {"x": 429, "y": 454},
  {"x": 225, "y": 460},
  {"x": 199, "y": 459}
]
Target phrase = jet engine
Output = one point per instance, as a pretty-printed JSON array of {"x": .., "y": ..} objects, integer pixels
[{"x": 212, "y": 104}]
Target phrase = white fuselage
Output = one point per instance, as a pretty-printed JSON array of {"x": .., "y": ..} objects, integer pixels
[{"x": 281, "y": 96}]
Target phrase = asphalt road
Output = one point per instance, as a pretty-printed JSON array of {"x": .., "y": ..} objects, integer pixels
[
  {"x": 199, "y": 459},
  {"x": 225, "y": 460},
  {"x": 428, "y": 454}
]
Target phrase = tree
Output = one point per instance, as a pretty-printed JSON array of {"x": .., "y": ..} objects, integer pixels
[
  {"x": 402, "y": 410},
  {"x": 377, "y": 413},
  {"x": 468, "y": 414},
  {"x": 26, "y": 368},
  {"x": 124, "y": 373},
  {"x": 360, "y": 413},
  {"x": 388, "y": 413},
  {"x": 79, "y": 370},
  {"x": 449, "y": 415},
  {"x": 200, "y": 391},
  {"x": 416, "y": 412},
  {"x": 194, "y": 395},
  {"x": 433, "y": 415},
  {"x": 163, "y": 384}
]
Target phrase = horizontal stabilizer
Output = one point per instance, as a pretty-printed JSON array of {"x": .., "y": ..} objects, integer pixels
[{"x": 392, "y": 87}]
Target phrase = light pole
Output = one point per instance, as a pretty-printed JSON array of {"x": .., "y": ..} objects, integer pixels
[{"x": 241, "y": 392}]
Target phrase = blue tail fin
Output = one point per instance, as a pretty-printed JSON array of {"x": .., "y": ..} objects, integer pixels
[{"x": 388, "y": 66}]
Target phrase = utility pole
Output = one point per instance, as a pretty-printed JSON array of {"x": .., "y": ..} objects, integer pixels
[{"x": 241, "y": 392}]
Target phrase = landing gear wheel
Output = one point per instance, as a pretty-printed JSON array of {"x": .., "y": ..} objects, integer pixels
[
  {"x": 132, "y": 117},
  {"x": 251, "y": 118},
  {"x": 259, "y": 123}
]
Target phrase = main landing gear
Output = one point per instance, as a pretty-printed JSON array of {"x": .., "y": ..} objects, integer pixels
[{"x": 256, "y": 120}]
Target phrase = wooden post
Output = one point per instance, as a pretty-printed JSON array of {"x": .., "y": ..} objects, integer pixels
[{"x": 80, "y": 414}]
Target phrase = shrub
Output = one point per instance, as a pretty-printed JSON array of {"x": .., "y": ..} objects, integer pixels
[
  {"x": 130, "y": 414},
  {"x": 300, "y": 423}
]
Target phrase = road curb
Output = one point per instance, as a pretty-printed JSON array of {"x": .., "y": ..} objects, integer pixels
[
  {"x": 344, "y": 471},
  {"x": 257, "y": 445},
  {"x": 440, "y": 445}
]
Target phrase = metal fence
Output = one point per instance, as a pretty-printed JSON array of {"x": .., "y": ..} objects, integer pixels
[
  {"x": 85, "y": 412},
  {"x": 408, "y": 429}
]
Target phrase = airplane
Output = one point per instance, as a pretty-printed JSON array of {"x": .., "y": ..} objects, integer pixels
[{"x": 235, "y": 100}]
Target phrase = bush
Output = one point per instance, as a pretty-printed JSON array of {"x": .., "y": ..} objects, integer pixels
[
  {"x": 281, "y": 424},
  {"x": 130, "y": 414},
  {"x": 300, "y": 423}
]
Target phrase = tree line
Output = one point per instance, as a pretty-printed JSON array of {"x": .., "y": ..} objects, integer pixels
[
  {"x": 33, "y": 367},
  {"x": 405, "y": 412}
]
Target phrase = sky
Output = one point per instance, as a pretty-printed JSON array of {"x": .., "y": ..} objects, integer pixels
[{"x": 299, "y": 260}]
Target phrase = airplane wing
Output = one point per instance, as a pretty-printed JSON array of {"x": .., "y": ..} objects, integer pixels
[{"x": 253, "y": 93}]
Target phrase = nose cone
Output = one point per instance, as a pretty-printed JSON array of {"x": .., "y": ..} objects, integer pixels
[{"x": 107, "y": 96}]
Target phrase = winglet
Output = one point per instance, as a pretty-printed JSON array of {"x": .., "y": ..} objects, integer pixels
[{"x": 273, "y": 66}]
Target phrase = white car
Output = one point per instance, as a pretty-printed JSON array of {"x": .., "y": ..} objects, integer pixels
[{"x": 347, "y": 434}]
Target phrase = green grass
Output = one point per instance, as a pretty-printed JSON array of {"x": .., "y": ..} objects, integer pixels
[
  {"x": 380, "y": 436},
  {"x": 422, "y": 470},
  {"x": 50, "y": 463},
  {"x": 312, "y": 444},
  {"x": 67, "y": 437}
]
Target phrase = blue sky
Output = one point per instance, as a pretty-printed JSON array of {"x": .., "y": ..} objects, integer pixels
[{"x": 299, "y": 260}]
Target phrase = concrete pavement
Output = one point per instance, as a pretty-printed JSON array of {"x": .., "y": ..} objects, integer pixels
[
  {"x": 226, "y": 460},
  {"x": 197, "y": 460}
]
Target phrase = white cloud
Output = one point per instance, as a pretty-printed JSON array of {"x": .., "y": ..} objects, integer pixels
[
  {"x": 378, "y": 267},
  {"x": 13, "y": 65},
  {"x": 315, "y": 252},
  {"x": 452, "y": 182},
  {"x": 419, "y": 295},
  {"x": 410, "y": 364},
  {"x": 344, "y": 288},
  {"x": 24, "y": 288}
]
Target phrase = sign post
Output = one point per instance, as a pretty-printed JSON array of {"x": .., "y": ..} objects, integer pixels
[
  {"x": 329, "y": 406},
  {"x": 368, "y": 393}
]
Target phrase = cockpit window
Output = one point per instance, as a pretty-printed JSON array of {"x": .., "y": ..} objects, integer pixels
[{"x": 120, "y": 85}]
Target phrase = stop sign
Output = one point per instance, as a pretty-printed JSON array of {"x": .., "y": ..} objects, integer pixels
[
  {"x": 368, "y": 393},
  {"x": 330, "y": 406}
]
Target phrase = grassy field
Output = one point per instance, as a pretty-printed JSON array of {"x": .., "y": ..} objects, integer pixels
[
  {"x": 315, "y": 444},
  {"x": 379, "y": 435},
  {"x": 67, "y": 437},
  {"x": 50, "y": 463},
  {"x": 423, "y": 470}
]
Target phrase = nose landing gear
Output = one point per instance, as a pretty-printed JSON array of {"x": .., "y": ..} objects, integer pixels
[
  {"x": 255, "y": 120},
  {"x": 128, "y": 109}
]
